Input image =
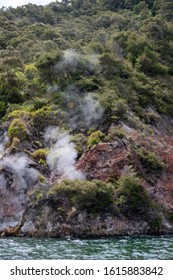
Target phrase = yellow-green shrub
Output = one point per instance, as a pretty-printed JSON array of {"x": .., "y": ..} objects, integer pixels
[
  {"x": 95, "y": 138},
  {"x": 18, "y": 129}
]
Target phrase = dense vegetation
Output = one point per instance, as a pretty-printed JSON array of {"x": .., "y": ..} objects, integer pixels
[
  {"x": 118, "y": 51},
  {"x": 128, "y": 38}
]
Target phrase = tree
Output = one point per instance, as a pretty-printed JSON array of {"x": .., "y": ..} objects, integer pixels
[
  {"x": 113, "y": 4},
  {"x": 164, "y": 8},
  {"x": 46, "y": 65}
]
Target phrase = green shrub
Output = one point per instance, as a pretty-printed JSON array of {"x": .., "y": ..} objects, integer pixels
[
  {"x": 40, "y": 154},
  {"x": 2, "y": 108},
  {"x": 120, "y": 108},
  {"x": 80, "y": 142},
  {"x": 46, "y": 116},
  {"x": 111, "y": 66},
  {"x": 93, "y": 196},
  {"x": 132, "y": 198},
  {"x": 39, "y": 103},
  {"x": 170, "y": 216},
  {"x": 18, "y": 129},
  {"x": 87, "y": 84},
  {"x": 94, "y": 138},
  {"x": 20, "y": 114},
  {"x": 156, "y": 223},
  {"x": 150, "y": 161},
  {"x": 115, "y": 132}
]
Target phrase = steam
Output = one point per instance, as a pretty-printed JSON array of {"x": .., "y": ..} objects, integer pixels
[
  {"x": 91, "y": 109},
  {"x": 19, "y": 163},
  {"x": 62, "y": 156},
  {"x": 72, "y": 62},
  {"x": 3, "y": 140},
  {"x": 84, "y": 108}
]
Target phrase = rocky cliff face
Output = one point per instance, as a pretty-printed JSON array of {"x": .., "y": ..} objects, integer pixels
[
  {"x": 30, "y": 207},
  {"x": 13, "y": 189}
]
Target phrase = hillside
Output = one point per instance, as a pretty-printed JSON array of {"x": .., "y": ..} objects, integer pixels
[{"x": 86, "y": 118}]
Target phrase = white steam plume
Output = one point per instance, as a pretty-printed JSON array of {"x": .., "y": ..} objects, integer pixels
[
  {"x": 17, "y": 162},
  {"x": 3, "y": 140},
  {"x": 20, "y": 164},
  {"x": 62, "y": 156},
  {"x": 73, "y": 61},
  {"x": 91, "y": 109}
]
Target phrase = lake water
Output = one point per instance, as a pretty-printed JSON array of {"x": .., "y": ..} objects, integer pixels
[{"x": 126, "y": 248}]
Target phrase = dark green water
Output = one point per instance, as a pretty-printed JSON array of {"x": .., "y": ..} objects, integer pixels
[{"x": 101, "y": 249}]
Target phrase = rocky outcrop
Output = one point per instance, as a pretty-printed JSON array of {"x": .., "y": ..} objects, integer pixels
[
  {"x": 14, "y": 186},
  {"x": 27, "y": 209},
  {"x": 104, "y": 161},
  {"x": 13, "y": 189}
]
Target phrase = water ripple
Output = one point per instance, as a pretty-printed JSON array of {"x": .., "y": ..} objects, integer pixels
[{"x": 135, "y": 248}]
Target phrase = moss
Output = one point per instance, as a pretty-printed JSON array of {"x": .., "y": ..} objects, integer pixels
[
  {"x": 40, "y": 154},
  {"x": 18, "y": 129},
  {"x": 93, "y": 196},
  {"x": 95, "y": 138}
]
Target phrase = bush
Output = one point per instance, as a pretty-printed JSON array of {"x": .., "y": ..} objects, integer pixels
[
  {"x": 94, "y": 138},
  {"x": 111, "y": 66},
  {"x": 18, "y": 129},
  {"x": 87, "y": 84},
  {"x": 132, "y": 198},
  {"x": 46, "y": 116},
  {"x": 2, "y": 108},
  {"x": 80, "y": 142},
  {"x": 156, "y": 224},
  {"x": 40, "y": 154},
  {"x": 39, "y": 103},
  {"x": 93, "y": 196},
  {"x": 115, "y": 132},
  {"x": 150, "y": 161}
]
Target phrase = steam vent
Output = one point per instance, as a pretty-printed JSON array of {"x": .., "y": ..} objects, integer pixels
[{"x": 86, "y": 119}]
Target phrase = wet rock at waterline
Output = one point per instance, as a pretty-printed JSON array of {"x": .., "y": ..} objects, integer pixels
[{"x": 13, "y": 190}]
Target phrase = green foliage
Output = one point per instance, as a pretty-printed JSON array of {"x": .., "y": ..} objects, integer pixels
[
  {"x": 46, "y": 116},
  {"x": 166, "y": 7},
  {"x": 80, "y": 142},
  {"x": 94, "y": 138},
  {"x": 40, "y": 154},
  {"x": 39, "y": 103},
  {"x": 18, "y": 129},
  {"x": 93, "y": 196},
  {"x": 135, "y": 46},
  {"x": 46, "y": 65},
  {"x": 150, "y": 161},
  {"x": 111, "y": 66},
  {"x": 131, "y": 197},
  {"x": 148, "y": 62},
  {"x": 156, "y": 223},
  {"x": 10, "y": 88},
  {"x": 115, "y": 132},
  {"x": 3, "y": 107},
  {"x": 87, "y": 84}
]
